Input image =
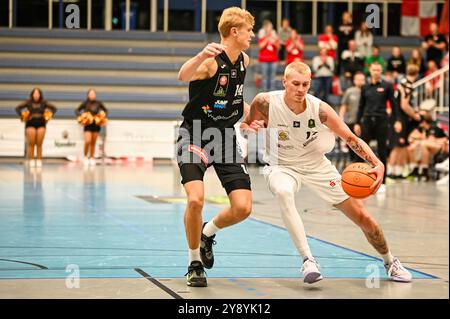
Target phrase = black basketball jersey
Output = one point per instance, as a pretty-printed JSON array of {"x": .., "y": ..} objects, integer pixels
[{"x": 218, "y": 101}]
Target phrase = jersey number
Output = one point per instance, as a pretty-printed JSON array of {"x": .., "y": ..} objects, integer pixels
[
  {"x": 308, "y": 134},
  {"x": 239, "y": 89}
]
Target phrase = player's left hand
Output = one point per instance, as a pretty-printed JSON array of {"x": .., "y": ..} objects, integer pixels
[{"x": 379, "y": 172}]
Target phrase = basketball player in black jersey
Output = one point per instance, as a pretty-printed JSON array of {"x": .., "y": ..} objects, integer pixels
[{"x": 207, "y": 136}]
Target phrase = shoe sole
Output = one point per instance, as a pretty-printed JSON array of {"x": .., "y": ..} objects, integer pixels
[
  {"x": 200, "y": 283},
  {"x": 312, "y": 278},
  {"x": 401, "y": 280}
]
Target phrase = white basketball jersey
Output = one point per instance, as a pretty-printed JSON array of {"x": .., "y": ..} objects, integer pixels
[{"x": 296, "y": 139}]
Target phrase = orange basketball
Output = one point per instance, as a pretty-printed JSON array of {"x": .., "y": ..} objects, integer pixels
[{"x": 356, "y": 181}]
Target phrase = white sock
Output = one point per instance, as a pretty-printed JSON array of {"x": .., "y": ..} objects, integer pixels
[
  {"x": 398, "y": 170},
  {"x": 388, "y": 258},
  {"x": 389, "y": 169},
  {"x": 194, "y": 254},
  {"x": 283, "y": 187},
  {"x": 210, "y": 228}
]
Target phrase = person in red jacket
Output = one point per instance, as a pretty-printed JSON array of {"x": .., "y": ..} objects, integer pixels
[
  {"x": 294, "y": 48},
  {"x": 269, "y": 44},
  {"x": 329, "y": 41}
]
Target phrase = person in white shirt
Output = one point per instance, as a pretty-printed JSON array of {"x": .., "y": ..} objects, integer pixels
[
  {"x": 299, "y": 132},
  {"x": 323, "y": 67},
  {"x": 364, "y": 40}
]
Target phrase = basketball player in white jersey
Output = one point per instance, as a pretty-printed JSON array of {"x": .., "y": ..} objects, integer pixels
[{"x": 304, "y": 127}]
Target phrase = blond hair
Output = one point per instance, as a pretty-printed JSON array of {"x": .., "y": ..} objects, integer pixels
[
  {"x": 234, "y": 17},
  {"x": 299, "y": 67},
  {"x": 412, "y": 69}
]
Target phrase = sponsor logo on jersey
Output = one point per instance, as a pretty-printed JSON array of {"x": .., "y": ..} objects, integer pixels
[
  {"x": 233, "y": 73},
  {"x": 223, "y": 66},
  {"x": 380, "y": 90},
  {"x": 206, "y": 109},
  {"x": 296, "y": 124},
  {"x": 238, "y": 101},
  {"x": 285, "y": 147},
  {"x": 311, "y": 123},
  {"x": 223, "y": 80},
  {"x": 282, "y": 125},
  {"x": 220, "y": 117},
  {"x": 283, "y": 135},
  {"x": 220, "y": 104},
  {"x": 222, "y": 85}
]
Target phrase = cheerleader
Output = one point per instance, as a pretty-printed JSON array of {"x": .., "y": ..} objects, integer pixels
[
  {"x": 35, "y": 112},
  {"x": 92, "y": 114}
]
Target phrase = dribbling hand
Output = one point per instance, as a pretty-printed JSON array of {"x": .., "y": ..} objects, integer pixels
[{"x": 379, "y": 172}]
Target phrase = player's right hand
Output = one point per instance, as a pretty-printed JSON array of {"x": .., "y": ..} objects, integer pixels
[
  {"x": 379, "y": 172},
  {"x": 256, "y": 125},
  {"x": 212, "y": 50}
]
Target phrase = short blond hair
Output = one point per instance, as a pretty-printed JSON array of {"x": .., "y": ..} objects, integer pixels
[
  {"x": 299, "y": 67},
  {"x": 234, "y": 17},
  {"x": 412, "y": 69}
]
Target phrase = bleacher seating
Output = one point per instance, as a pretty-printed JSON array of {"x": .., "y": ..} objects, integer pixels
[{"x": 134, "y": 73}]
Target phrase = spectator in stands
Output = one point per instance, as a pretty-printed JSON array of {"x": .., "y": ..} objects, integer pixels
[
  {"x": 444, "y": 61},
  {"x": 294, "y": 48},
  {"x": 329, "y": 41},
  {"x": 93, "y": 115},
  {"x": 323, "y": 68},
  {"x": 375, "y": 57},
  {"x": 262, "y": 30},
  {"x": 35, "y": 112},
  {"x": 284, "y": 33},
  {"x": 351, "y": 62},
  {"x": 350, "y": 104},
  {"x": 433, "y": 84},
  {"x": 364, "y": 40},
  {"x": 269, "y": 45},
  {"x": 435, "y": 44},
  {"x": 396, "y": 64},
  {"x": 372, "y": 118},
  {"x": 417, "y": 59},
  {"x": 409, "y": 118},
  {"x": 427, "y": 142},
  {"x": 345, "y": 33}
]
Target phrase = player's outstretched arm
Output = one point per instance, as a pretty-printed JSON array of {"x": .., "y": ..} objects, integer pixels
[
  {"x": 258, "y": 115},
  {"x": 201, "y": 66},
  {"x": 329, "y": 117}
]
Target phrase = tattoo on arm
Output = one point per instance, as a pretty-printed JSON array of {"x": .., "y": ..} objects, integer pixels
[
  {"x": 263, "y": 105},
  {"x": 323, "y": 116},
  {"x": 377, "y": 240},
  {"x": 357, "y": 147}
]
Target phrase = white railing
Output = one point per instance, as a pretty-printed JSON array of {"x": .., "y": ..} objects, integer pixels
[{"x": 432, "y": 91}]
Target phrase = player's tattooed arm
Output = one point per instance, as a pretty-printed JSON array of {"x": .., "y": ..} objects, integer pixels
[
  {"x": 362, "y": 149},
  {"x": 258, "y": 115},
  {"x": 262, "y": 104},
  {"x": 331, "y": 119},
  {"x": 323, "y": 116}
]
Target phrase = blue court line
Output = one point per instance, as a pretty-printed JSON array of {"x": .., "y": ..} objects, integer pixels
[
  {"x": 139, "y": 215},
  {"x": 346, "y": 248}
]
